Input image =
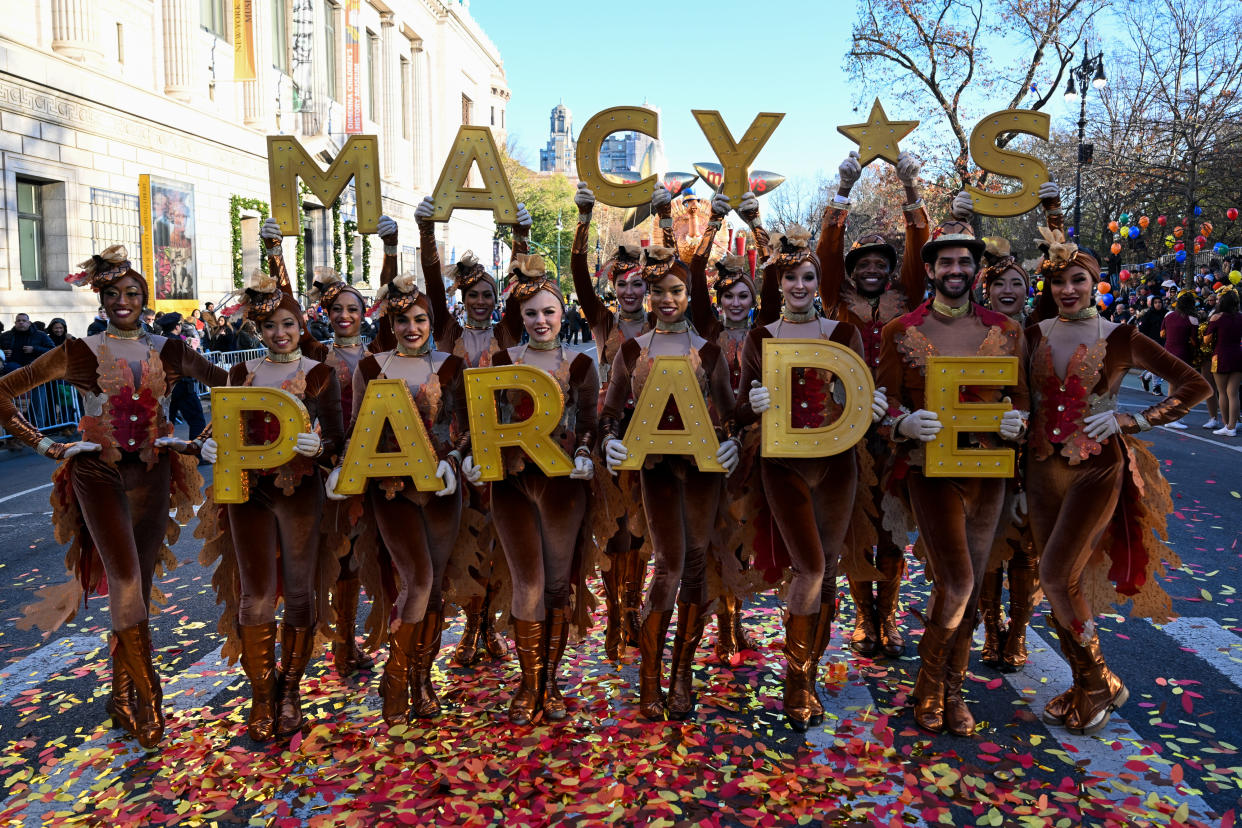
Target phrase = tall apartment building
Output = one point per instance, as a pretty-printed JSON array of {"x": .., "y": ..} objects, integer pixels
[
  {"x": 558, "y": 156},
  {"x": 96, "y": 93}
]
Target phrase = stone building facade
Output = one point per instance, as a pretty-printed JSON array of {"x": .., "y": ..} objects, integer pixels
[{"x": 95, "y": 94}]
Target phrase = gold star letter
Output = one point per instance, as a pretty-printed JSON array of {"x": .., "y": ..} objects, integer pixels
[{"x": 878, "y": 137}]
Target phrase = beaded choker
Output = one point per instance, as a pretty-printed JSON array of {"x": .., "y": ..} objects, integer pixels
[
  {"x": 346, "y": 341},
  {"x": 486, "y": 327},
  {"x": 680, "y": 326},
  {"x": 636, "y": 316},
  {"x": 736, "y": 326},
  {"x": 950, "y": 311},
  {"x": 421, "y": 350},
  {"x": 118, "y": 333},
  {"x": 798, "y": 316},
  {"x": 1089, "y": 312},
  {"x": 550, "y": 345},
  {"x": 292, "y": 356}
]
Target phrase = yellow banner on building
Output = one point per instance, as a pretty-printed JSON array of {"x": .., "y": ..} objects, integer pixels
[{"x": 243, "y": 40}]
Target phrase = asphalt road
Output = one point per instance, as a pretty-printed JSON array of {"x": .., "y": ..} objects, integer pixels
[{"x": 1171, "y": 756}]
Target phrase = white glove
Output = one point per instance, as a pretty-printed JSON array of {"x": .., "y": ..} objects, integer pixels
[
  {"x": 270, "y": 231},
  {"x": 963, "y": 206},
  {"x": 879, "y": 405},
  {"x": 1049, "y": 191},
  {"x": 210, "y": 449},
  {"x": 615, "y": 453},
  {"x": 850, "y": 171},
  {"x": 425, "y": 209},
  {"x": 80, "y": 447},
  {"x": 444, "y": 471},
  {"x": 660, "y": 198},
  {"x": 584, "y": 469},
  {"x": 922, "y": 425},
  {"x": 749, "y": 209},
  {"x": 172, "y": 444},
  {"x": 524, "y": 221},
  {"x": 584, "y": 198},
  {"x": 1011, "y": 424},
  {"x": 908, "y": 168},
  {"x": 388, "y": 227},
  {"x": 1018, "y": 512},
  {"x": 1100, "y": 427},
  {"x": 472, "y": 473},
  {"x": 727, "y": 456},
  {"x": 307, "y": 444},
  {"x": 760, "y": 399},
  {"x": 721, "y": 205},
  {"x": 329, "y": 485}
]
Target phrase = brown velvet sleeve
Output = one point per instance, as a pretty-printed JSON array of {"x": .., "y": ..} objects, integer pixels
[
  {"x": 618, "y": 391},
  {"x": 889, "y": 375},
  {"x": 312, "y": 347},
  {"x": 367, "y": 370},
  {"x": 1186, "y": 387},
  {"x": 752, "y": 371},
  {"x": 453, "y": 377},
  {"x": 429, "y": 257},
  {"x": 769, "y": 299},
  {"x": 1020, "y": 395},
  {"x": 584, "y": 376},
  {"x": 322, "y": 384},
  {"x": 53, "y": 365},
  {"x": 584, "y": 285},
  {"x": 385, "y": 339},
  {"x": 667, "y": 238},
  {"x": 847, "y": 334},
  {"x": 705, "y": 321},
  {"x": 721, "y": 386},
  {"x": 1053, "y": 216},
  {"x": 913, "y": 274},
  {"x": 830, "y": 250},
  {"x": 521, "y": 240},
  {"x": 508, "y": 331}
]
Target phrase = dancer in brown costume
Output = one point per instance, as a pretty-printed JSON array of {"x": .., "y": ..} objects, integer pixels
[
  {"x": 275, "y": 545},
  {"x": 418, "y": 529},
  {"x": 957, "y": 517},
  {"x": 681, "y": 502},
  {"x": 112, "y": 494},
  {"x": 539, "y": 518},
  {"x": 858, "y": 288},
  {"x": 737, "y": 297},
  {"x": 623, "y": 577},
  {"x": 477, "y": 342},
  {"x": 1096, "y": 496},
  {"x": 812, "y": 499}
]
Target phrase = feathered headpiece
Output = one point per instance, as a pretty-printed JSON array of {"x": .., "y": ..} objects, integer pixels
[
  {"x": 659, "y": 262},
  {"x": 327, "y": 286},
  {"x": 105, "y": 268},
  {"x": 469, "y": 271},
  {"x": 1062, "y": 254},
  {"x": 998, "y": 260},
  {"x": 730, "y": 270},
  {"x": 399, "y": 295},
  {"x": 531, "y": 275},
  {"x": 627, "y": 258},
  {"x": 791, "y": 248}
]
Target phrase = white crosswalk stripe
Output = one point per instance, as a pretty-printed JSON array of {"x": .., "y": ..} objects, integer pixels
[
  {"x": 45, "y": 662},
  {"x": 1210, "y": 642}
]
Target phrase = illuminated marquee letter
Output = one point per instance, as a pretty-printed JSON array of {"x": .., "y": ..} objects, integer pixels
[
  {"x": 945, "y": 378},
  {"x": 1027, "y": 168},
  {"x": 235, "y": 457},
  {"x": 388, "y": 402},
  {"x": 671, "y": 377},
  {"x": 287, "y": 161},
  {"x": 780, "y": 438},
  {"x": 533, "y": 435},
  {"x": 736, "y": 156},
  {"x": 474, "y": 145},
  {"x": 591, "y": 140}
]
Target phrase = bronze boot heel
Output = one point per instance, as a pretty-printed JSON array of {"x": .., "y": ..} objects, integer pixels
[
  {"x": 259, "y": 664},
  {"x": 120, "y": 703},
  {"x": 134, "y": 649},
  {"x": 690, "y": 621},
  {"x": 798, "y": 632},
  {"x": 929, "y": 687},
  {"x": 651, "y": 667},
  {"x": 527, "y": 700}
]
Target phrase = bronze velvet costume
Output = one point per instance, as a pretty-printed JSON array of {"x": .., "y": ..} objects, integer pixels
[
  {"x": 112, "y": 506},
  {"x": 956, "y": 517},
  {"x": 1098, "y": 509},
  {"x": 540, "y": 521}
]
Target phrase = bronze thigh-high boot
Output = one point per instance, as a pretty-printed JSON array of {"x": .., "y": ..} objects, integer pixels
[
  {"x": 1100, "y": 690},
  {"x": 467, "y": 645},
  {"x": 690, "y": 621},
  {"x": 958, "y": 719},
  {"x": 424, "y": 704},
  {"x": 864, "y": 639},
  {"x": 120, "y": 703},
  {"x": 554, "y": 708},
  {"x": 530, "y": 649},
  {"x": 258, "y": 660},
  {"x": 726, "y": 625},
  {"x": 1059, "y": 706},
  {"x": 651, "y": 667},
  {"x": 296, "y": 644},
  {"x": 888, "y": 601},
  {"x": 994, "y": 633},
  {"x": 394, "y": 685},
  {"x": 614, "y": 597},
  {"x": 346, "y": 656},
  {"x": 799, "y": 630},
  {"x": 1023, "y": 590},
  {"x": 133, "y": 646},
  {"x": 822, "y": 635},
  {"x": 929, "y": 686}
]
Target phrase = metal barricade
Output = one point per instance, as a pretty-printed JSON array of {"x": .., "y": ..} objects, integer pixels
[
  {"x": 226, "y": 360},
  {"x": 49, "y": 407}
]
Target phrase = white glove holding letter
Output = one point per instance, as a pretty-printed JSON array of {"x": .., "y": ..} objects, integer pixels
[
  {"x": 444, "y": 471},
  {"x": 660, "y": 198},
  {"x": 849, "y": 171},
  {"x": 879, "y": 405},
  {"x": 1049, "y": 191},
  {"x": 210, "y": 450},
  {"x": 1011, "y": 424},
  {"x": 721, "y": 205},
  {"x": 584, "y": 198},
  {"x": 329, "y": 485},
  {"x": 307, "y": 444},
  {"x": 387, "y": 226},
  {"x": 908, "y": 168},
  {"x": 727, "y": 456},
  {"x": 472, "y": 473},
  {"x": 963, "y": 206},
  {"x": 425, "y": 209},
  {"x": 270, "y": 231},
  {"x": 759, "y": 397},
  {"x": 524, "y": 221},
  {"x": 615, "y": 453},
  {"x": 921, "y": 425},
  {"x": 584, "y": 469}
]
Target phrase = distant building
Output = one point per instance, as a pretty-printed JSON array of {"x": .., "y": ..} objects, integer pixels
[
  {"x": 623, "y": 152},
  {"x": 559, "y": 157}
]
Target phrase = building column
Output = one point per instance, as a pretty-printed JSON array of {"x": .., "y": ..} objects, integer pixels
[
  {"x": 418, "y": 127},
  {"x": 179, "y": 25},
  {"x": 388, "y": 149},
  {"x": 73, "y": 29}
]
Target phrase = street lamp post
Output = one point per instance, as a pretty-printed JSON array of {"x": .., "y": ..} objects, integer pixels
[
  {"x": 1090, "y": 70},
  {"x": 559, "y": 228}
]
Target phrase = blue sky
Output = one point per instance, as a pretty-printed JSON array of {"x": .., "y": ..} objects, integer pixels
[{"x": 738, "y": 57}]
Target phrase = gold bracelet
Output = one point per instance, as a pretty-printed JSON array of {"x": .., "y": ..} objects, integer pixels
[{"x": 44, "y": 445}]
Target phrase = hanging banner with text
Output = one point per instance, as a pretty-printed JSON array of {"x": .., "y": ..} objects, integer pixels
[
  {"x": 243, "y": 40},
  {"x": 353, "y": 93}
]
